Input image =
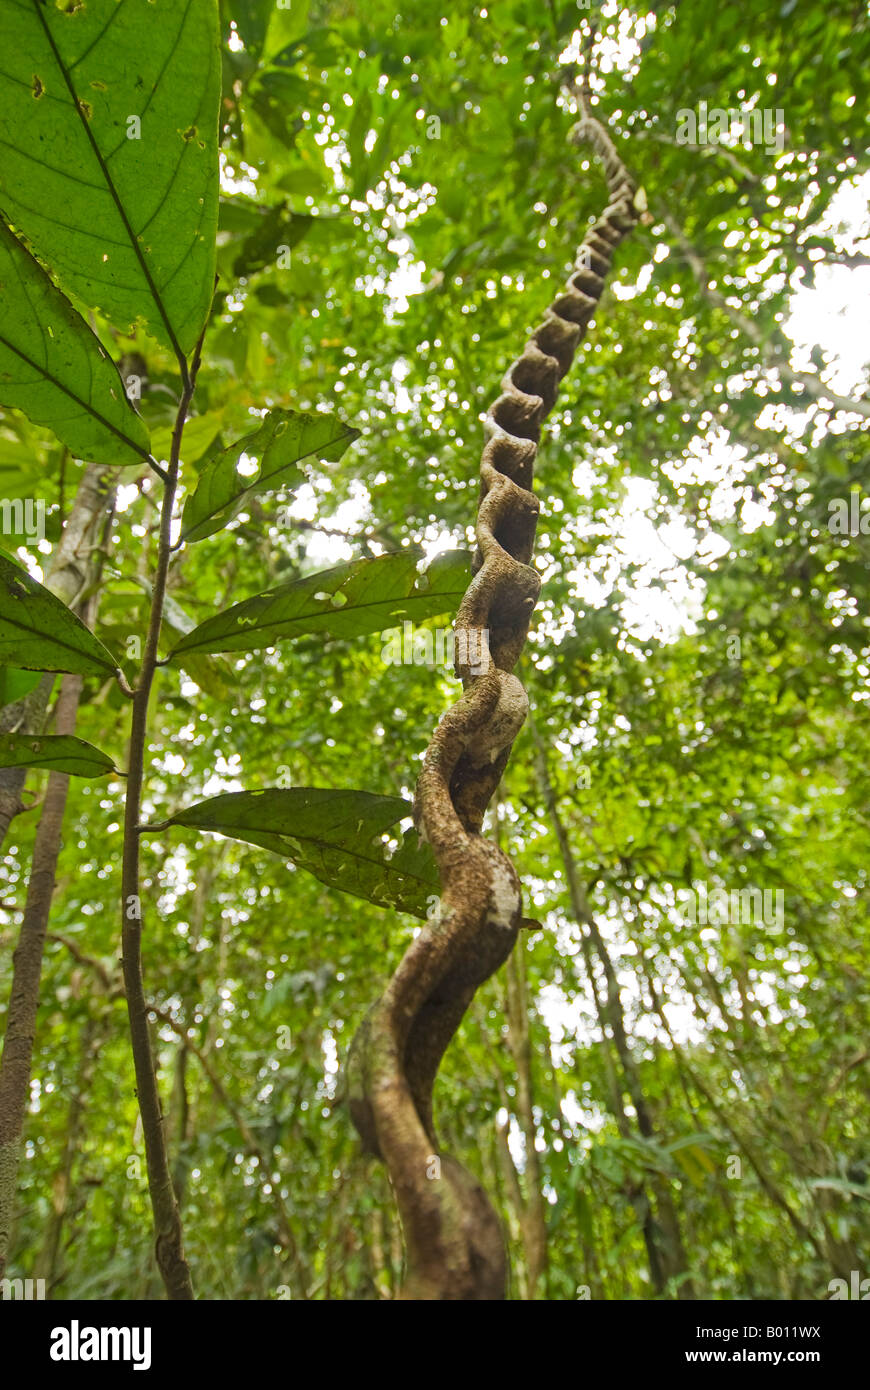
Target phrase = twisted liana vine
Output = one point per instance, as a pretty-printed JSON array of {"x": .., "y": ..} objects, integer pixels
[{"x": 453, "y": 1238}]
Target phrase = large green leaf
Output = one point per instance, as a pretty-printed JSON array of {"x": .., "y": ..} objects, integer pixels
[
  {"x": 128, "y": 224},
  {"x": 351, "y": 600},
  {"x": 57, "y": 752},
  {"x": 39, "y": 633},
  {"x": 338, "y": 836},
  {"x": 284, "y": 439},
  {"x": 56, "y": 370}
]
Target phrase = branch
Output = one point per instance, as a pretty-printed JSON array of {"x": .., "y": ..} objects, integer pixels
[
  {"x": 111, "y": 983},
  {"x": 771, "y": 352},
  {"x": 167, "y": 1220},
  {"x": 712, "y": 151}
]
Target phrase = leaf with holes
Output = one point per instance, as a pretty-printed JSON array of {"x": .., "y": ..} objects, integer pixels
[
  {"x": 56, "y": 370},
  {"x": 283, "y": 441},
  {"x": 109, "y": 130},
  {"x": 55, "y": 752},
  {"x": 39, "y": 633},
  {"x": 338, "y": 836},
  {"x": 352, "y": 600}
]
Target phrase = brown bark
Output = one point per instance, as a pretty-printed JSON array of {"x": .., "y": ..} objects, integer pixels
[
  {"x": 169, "y": 1239},
  {"x": 452, "y": 1233},
  {"x": 17, "y": 1058},
  {"x": 532, "y": 1208}
]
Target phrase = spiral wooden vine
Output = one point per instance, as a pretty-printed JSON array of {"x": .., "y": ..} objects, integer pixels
[{"x": 454, "y": 1244}]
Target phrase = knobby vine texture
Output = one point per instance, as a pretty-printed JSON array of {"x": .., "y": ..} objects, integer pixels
[{"x": 455, "y": 1247}]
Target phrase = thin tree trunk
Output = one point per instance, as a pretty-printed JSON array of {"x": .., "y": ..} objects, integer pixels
[
  {"x": 768, "y": 1184},
  {"x": 661, "y": 1228},
  {"x": 532, "y": 1212},
  {"x": 68, "y": 575},
  {"x": 46, "y": 1263},
  {"x": 180, "y": 1115},
  {"x": 169, "y": 1235},
  {"x": 17, "y": 1058},
  {"x": 531, "y": 1208}
]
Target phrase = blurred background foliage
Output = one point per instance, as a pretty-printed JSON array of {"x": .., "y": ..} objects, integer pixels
[{"x": 657, "y": 1107}]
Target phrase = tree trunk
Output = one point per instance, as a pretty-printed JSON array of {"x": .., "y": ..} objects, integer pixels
[
  {"x": 532, "y": 1208},
  {"x": 661, "y": 1227},
  {"x": 15, "y": 1063},
  {"x": 46, "y": 1263},
  {"x": 68, "y": 574}
]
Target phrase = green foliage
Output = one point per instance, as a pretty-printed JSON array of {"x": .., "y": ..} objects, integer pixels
[
  {"x": 14, "y": 685},
  {"x": 55, "y": 369},
  {"x": 399, "y": 201},
  {"x": 39, "y": 633},
  {"x": 339, "y": 836},
  {"x": 348, "y": 601},
  {"x": 56, "y": 752},
  {"x": 282, "y": 442},
  {"x": 125, "y": 211}
]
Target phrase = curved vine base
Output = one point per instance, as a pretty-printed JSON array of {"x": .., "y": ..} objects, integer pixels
[{"x": 455, "y": 1248}]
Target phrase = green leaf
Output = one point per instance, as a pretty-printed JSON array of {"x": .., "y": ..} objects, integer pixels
[
  {"x": 354, "y": 599},
  {"x": 57, "y": 752},
  {"x": 279, "y": 227},
  {"x": 284, "y": 439},
  {"x": 252, "y": 21},
  {"x": 338, "y": 836},
  {"x": 22, "y": 466},
  {"x": 211, "y": 674},
  {"x": 14, "y": 685},
  {"x": 39, "y": 633},
  {"x": 56, "y": 370},
  {"x": 287, "y": 23},
  {"x": 359, "y": 127},
  {"x": 128, "y": 224}
]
